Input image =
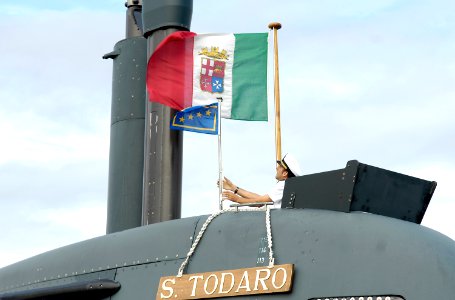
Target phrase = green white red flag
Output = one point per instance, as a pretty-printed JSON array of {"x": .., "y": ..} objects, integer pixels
[{"x": 187, "y": 69}]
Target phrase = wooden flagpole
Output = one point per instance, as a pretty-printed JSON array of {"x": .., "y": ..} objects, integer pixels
[{"x": 275, "y": 26}]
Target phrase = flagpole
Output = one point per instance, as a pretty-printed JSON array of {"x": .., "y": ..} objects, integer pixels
[
  {"x": 275, "y": 26},
  {"x": 220, "y": 160}
]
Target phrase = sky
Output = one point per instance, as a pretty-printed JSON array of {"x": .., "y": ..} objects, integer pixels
[{"x": 365, "y": 80}]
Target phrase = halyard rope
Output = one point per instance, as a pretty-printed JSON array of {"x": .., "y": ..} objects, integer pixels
[
  {"x": 268, "y": 225},
  {"x": 216, "y": 214}
]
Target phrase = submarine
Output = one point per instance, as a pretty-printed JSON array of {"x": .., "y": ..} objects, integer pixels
[
  {"x": 359, "y": 238},
  {"x": 349, "y": 233}
]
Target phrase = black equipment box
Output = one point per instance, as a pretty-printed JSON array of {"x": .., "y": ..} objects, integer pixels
[{"x": 361, "y": 187}]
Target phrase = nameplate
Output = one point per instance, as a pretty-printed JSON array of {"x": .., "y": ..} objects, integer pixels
[{"x": 229, "y": 283}]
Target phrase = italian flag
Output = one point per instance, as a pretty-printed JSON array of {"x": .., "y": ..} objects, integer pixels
[{"x": 189, "y": 69}]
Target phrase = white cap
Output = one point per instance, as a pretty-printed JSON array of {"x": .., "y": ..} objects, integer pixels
[{"x": 292, "y": 164}]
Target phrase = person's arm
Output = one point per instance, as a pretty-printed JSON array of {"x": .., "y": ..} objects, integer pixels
[
  {"x": 228, "y": 185},
  {"x": 228, "y": 195}
]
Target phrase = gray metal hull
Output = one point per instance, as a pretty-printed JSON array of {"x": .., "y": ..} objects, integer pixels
[{"x": 334, "y": 254}]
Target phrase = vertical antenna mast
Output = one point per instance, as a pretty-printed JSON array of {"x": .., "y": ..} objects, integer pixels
[
  {"x": 163, "y": 148},
  {"x": 126, "y": 153}
]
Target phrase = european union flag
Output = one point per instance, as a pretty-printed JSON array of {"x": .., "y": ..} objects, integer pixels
[{"x": 203, "y": 119}]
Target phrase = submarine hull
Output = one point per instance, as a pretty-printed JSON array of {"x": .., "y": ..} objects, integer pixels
[{"x": 334, "y": 254}]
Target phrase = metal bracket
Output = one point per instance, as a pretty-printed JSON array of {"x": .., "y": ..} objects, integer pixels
[{"x": 237, "y": 205}]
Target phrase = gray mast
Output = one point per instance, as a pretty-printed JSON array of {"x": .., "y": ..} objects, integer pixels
[
  {"x": 126, "y": 154},
  {"x": 162, "y": 186},
  {"x": 133, "y": 18}
]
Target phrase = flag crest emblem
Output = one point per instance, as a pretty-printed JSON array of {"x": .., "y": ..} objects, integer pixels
[{"x": 212, "y": 70}]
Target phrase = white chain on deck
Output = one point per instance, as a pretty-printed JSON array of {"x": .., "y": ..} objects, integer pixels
[
  {"x": 268, "y": 225},
  {"x": 216, "y": 214}
]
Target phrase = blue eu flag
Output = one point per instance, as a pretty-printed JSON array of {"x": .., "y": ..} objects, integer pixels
[{"x": 203, "y": 119}]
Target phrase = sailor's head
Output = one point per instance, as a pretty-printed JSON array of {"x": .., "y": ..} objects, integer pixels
[{"x": 287, "y": 167}]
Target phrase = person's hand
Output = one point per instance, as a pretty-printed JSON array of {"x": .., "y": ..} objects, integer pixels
[
  {"x": 230, "y": 196},
  {"x": 228, "y": 185}
]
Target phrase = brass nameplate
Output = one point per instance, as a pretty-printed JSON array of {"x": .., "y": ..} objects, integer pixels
[{"x": 259, "y": 280}]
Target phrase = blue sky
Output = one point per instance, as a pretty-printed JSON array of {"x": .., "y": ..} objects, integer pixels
[
  {"x": 365, "y": 80},
  {"x": 32, "y": 6}
]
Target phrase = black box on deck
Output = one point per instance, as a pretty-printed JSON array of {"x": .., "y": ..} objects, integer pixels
[{"x": 361, "y": 187}]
